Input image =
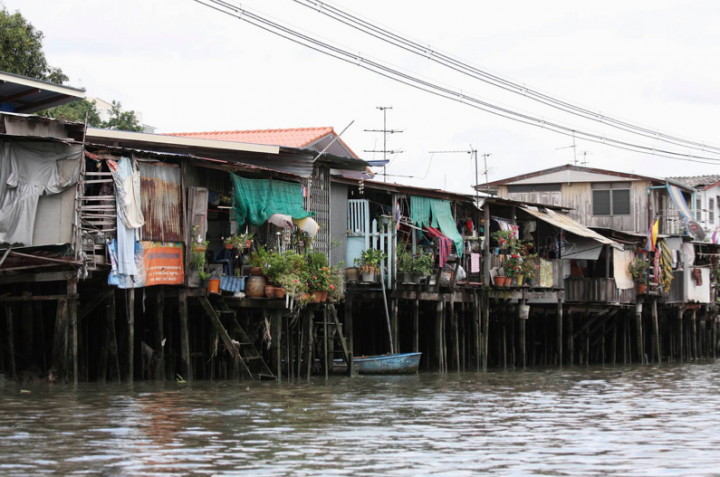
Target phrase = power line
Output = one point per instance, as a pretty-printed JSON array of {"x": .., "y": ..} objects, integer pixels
[
  {"x": 432, "y": 88},
  {"x": 406, "y": 44}
]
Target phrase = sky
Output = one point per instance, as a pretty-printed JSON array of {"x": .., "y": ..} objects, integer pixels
[{"x": 189, "y": 68}]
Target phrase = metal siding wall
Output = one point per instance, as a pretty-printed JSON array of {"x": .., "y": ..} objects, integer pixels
[
  {"x": 338, "y": 223},
  {"x": 161, "y": 202}
]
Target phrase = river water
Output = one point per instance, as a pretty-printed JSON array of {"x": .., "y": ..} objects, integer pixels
[{"x": 576, "y": 421}]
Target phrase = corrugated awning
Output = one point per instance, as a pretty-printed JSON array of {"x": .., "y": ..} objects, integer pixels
[{"x": 569, "y": 225}]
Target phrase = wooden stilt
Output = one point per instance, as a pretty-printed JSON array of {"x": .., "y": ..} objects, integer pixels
[
  {"x": 160, "y": 333},
  {"x": 656, "y": 331},
  {"x": 438, "y": 335},
  {"x": 454, "y": 335},
  {"x": 224, "y": 336},
  {"x": 130, "y": 294},
  {"x": 72, "y": 317},
  {"x": 185, "y": 364},
  {"x": 523, "y": 324},
  {"x": 613, "y": 344},
  {"x": 681, "y": 344},
  {"x": 486, "y": 322},
  {"x": 276, "y": 349},
  {"x": 560, "y": 332},
  {"x": 504, "y": 337},
  {"x": 349, "y": 335},
  {"x": 59, "y": 350},
  {"x": 639, "y": 332},
  {"x": 416, "y": 325},
  {"x": 311, "y": 343},
  {"x": 477, "y": 334},
  {"x": 10, "y": 320},
  {"x": 394, "y": 325},
  {"x": 571, "y": 339},
  {"x": 26, "y": 328},
  {"x": 694, "y": 335}
]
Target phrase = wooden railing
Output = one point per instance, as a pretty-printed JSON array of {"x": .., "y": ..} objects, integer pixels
[{"x": 597, "y": 290}]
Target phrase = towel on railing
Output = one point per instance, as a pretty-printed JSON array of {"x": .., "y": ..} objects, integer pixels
[{"x": 444, "y": 244}]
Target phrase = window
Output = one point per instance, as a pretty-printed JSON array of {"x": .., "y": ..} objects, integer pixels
[
  {"x": 698, "y": 210},
  {"x": 534, "y": 188},
  {"x": 611, "y": 198},
  {"x": 711, "y": 211}
]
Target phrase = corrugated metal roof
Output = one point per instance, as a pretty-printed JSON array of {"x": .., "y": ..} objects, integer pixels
[
  {"x": 569, "y": 225},
  {"x": 29, "y": 95},
  {"x": 698, "y": 182}
]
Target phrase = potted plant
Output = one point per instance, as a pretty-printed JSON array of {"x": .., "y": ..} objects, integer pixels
[
  {"x": 295, "y": 285},
  {"x": 369, "y": 262},
  {"x": 259, "y": 261},
  {"x": 337, "y": 286},
  {"x": 422, "y": 266},
  {"x": 404, "y": 263},
  {"x": 512, "y": 267},
  {"x": 637, "y": 269},
  {"x": 528, "y": 269},
  {"x": 504, "y": 240},
  {"x": 318, "y": 275},
  {"x": 198, "y": 244},
  {"x": 239, "y": 242}
]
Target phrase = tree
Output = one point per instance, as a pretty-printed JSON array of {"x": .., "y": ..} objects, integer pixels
[
  {"x": 123, "y": 120},
  {"x": 21, "y": 53},
  {"x": 21, "y": 49}
]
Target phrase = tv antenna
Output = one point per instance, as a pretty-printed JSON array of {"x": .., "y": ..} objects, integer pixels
[
  {"x": 585, "y": 161},
  {"x": 473, "y": 155},
  {"x": 385, "y": 132},
  {"x": 574, "y": 148}
]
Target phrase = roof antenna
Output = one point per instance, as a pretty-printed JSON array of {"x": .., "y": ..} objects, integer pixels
[
  {"x": 574, "y": 148},
  {"x": 333, "y": 141},
  {"x": 385, "y": 132}
]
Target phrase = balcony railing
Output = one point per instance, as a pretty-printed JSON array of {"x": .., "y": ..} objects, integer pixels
[{"x": 597, "y": 290}]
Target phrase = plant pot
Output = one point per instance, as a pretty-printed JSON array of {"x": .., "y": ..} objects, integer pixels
[
  {"x": 228, "y": 246},
  {"x": 269, "y": 291},
  {"x": 323, "y": 296},
  {"x": 305, "y": 296},
  {"x": 256, "y": 271},
  {"x": 641, "y": 288},
  {"x": 368, "y": 277},
  {"x": 317, "y": 296},
  {"x": 255, "y": 286},
  {"x": 495, "y": 251},
  {"x": 214, "y": 286},
  {"x": 520, "y": 279},
  {"x": 198, "y": 247},
  {"x": 279, "y": 292},
  {"x": 406, "y": 277},
  {"x": 248, "y": 243},
  {"x": 507, "y": 282},
  {"x": 499, "y": 281},
  {"x": 418, "y": 279},
  {"x": 352, "y": 274}
]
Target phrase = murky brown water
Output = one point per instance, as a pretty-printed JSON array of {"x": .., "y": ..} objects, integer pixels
[{"x": 579, "y": 421}]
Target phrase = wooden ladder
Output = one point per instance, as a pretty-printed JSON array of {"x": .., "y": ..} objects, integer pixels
[
  {"x": 248, "y": 352},
  {"x": 338, "y": 336}
]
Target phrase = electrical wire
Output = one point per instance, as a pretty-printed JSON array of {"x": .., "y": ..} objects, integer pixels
[
  {"x": 433, "y": 88},
  {"x": 439, "y": 57}
]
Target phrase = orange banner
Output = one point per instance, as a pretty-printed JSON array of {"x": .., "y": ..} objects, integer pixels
[{"x": 163, "y": 263}]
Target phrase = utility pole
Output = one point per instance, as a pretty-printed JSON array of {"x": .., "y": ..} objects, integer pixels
[{"x": 385, "y": 132}]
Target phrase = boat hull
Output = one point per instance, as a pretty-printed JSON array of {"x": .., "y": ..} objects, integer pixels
[{"x": 406, "y": 363}]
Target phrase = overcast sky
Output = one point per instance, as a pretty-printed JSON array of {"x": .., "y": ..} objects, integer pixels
[{"x": 189, "y": 68}]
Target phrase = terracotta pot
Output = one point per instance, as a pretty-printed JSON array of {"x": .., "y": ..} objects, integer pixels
[
  {"x": 255, "y": 286},
  {"x": 323, "y": 296},
  {"x": 642, "y": 288},
  {"x": 279, "y": 292},
  {"x": 352, "y": 274},
  {"x": 269, "y": 291},
  {"x": 507, "y": 282},
  {"x": 317, "y": 295},
  {"x": 499, "y": 281},
  {"x": 305, "y": 296},
  {"x": 229, "y": 246},
  {"x": 214, "y": 286},
  {"x": 256, "y": 271},
  {"x": 248, "y": 243}
]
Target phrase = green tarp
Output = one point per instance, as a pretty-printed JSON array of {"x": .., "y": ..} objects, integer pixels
[
  {"x": 436, "y": 213},
  {"x": 255, "y": 200}
]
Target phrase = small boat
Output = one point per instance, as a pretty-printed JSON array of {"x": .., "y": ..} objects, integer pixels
[{"x": 405, "y": 363}]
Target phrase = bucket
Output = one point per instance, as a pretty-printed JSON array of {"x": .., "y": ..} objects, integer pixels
[{"x": 214, "y": 286}]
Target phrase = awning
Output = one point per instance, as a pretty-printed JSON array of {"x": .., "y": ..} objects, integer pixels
[
  {"x": 581, "y": 248},
  {"x": 569, "y": 225}
]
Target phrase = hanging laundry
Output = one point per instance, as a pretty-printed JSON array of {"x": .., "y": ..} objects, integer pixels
[
  {"x": 474, "y": 263},
  {"x": 507, "y": 226},
  {"x": 129, "y": 215}
]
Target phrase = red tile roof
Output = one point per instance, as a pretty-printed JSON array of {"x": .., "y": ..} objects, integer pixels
[{"x": 297, "y": 137}]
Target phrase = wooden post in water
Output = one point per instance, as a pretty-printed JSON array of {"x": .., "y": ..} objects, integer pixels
[
  {"x": 639, "y": 329},
  {"x": 73, "y": 319},
  {"x": 26, "y": 328},
  {"x": 523, "y": 324},
  {"x": 656, "y": 330},
  {"x": 11, "y": 337},
  {"x": 276, "y": 352},
  {"x": 454, "y": 336},
  {"x": 613, "y": 345},
  {"x": 694, "y": 335},
  {"x": 571, "y": 341},
  {"x": 477, "y": 334},
  {"x": 560, "y": 332},
  {"x": 438, "y": 334},
  {"x": 131, "y": 334},
  {"x": 325, "y": 342},
  {"x": 416, "y": 326},
  {"x": 310, "y": 343},
  {"x": 394, "y": 326},
  {"x": 186, "y": 365},
  {"x": 681, "y": 344},
  {"x": 160, "y": 333},
  {"x": 486, "y": 319},
  {"x": 59, "y": 350},
  {"x": 349, "y": 335}
]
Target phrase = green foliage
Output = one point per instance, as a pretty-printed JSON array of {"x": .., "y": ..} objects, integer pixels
[
  {"x": 122, "y": 120},
  {"x": 294, "y": 285},
  {"x": 422, "y": 264},
  {"x": 259, "y": 258},
  {"x": 281, "y": 264},
  {"x": 638, "y": 267},
  {"x": 238, "y": 241},
  {"x": 503, "y": 238},
  {"x": 370, "y": 259},
  {"x": 404, "y": 258},
  {"x": 197, "y": 262},
  {"x": 21, "y": 49},
  {"x": 75, "y": 111}
]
